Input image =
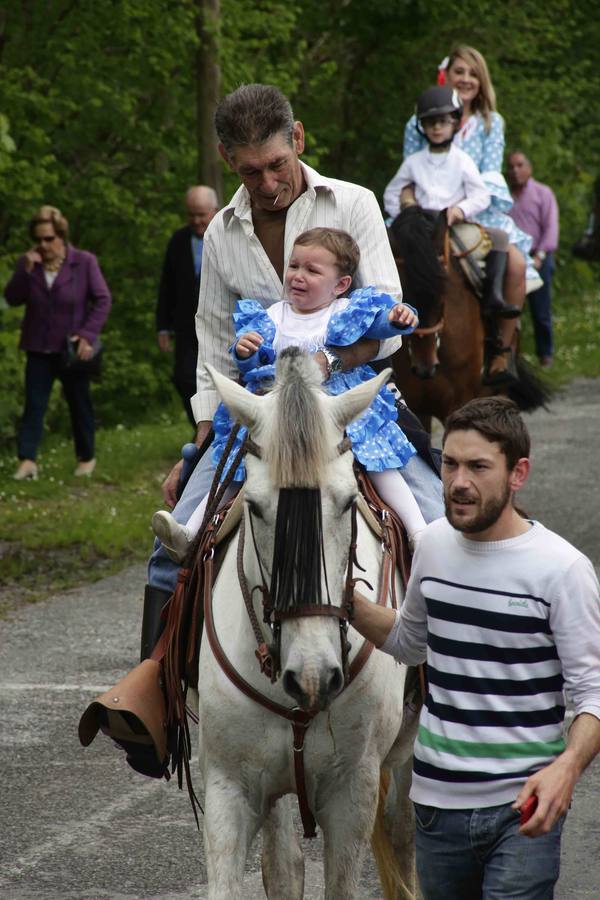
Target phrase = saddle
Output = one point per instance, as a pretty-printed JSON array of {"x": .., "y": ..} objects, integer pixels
[{"x": 470, "y": 245}]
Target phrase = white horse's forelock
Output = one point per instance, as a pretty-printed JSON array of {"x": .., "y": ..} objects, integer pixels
[{"x": 296, "y": 448}]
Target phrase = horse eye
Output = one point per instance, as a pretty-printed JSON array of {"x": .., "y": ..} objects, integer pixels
[{"x": 348, "y": 505}]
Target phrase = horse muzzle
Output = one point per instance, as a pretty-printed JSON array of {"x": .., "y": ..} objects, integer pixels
[
  {"x": 424, "y": 372},
  {"x": 313, "y": 691}
]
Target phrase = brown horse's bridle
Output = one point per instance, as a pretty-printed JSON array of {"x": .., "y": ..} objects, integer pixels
[{"x": 268, "y": 654}]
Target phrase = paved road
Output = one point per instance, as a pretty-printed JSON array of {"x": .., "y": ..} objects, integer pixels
[{"x": 78, "y": 823}]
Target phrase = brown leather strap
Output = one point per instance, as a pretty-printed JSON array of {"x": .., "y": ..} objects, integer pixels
[
  {"x": 299, "y": 727},
  {"x": 321, "y": 609},
  {"x": 433, "y": 329},
  {"x": 395, "y": 555},
  {"x": 299, "y": 719}
]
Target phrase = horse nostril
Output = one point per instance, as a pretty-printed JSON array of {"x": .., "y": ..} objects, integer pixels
[
  {"x": 336, "y": 681},
  {"x": 291, "y": 686}
]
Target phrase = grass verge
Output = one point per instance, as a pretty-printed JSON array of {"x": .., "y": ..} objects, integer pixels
[
  {"x": 576, "y": 324},
  {"x": 61, "y": 531}
]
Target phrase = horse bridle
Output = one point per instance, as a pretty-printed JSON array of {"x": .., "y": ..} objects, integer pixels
[{"x": 269, "y": 655}]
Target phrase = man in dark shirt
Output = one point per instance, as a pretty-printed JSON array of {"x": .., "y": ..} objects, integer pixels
[{"x": 178, "y": 291}]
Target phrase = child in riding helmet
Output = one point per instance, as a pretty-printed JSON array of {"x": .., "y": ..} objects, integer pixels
[
  {"x": 317, "y": 315},
  {"x": 442, "y": 176}
]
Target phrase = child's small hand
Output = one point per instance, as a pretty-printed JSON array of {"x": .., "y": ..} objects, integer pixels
[
  {"x": 454, "y": 214},
  {"x": 403, "y": 315},
  {"x": 248, "y": 344}
]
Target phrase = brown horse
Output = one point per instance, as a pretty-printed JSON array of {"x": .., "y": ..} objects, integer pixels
[{"x": 440, "y": 367}]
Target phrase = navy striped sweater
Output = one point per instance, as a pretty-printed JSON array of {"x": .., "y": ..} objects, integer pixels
[{"x": 505, "y": 627}]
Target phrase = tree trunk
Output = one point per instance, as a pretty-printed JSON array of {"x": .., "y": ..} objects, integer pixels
[{"x": 208, "y": 81}]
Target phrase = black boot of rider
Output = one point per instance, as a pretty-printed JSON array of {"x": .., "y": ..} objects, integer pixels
[
  {"x": 492, "y": 300},
  {"x": 152, "y": 624}
]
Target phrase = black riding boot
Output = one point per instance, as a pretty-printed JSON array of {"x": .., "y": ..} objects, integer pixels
[
  {"x": 492, "y": 300},
  {"x": 152, "y": 624}
]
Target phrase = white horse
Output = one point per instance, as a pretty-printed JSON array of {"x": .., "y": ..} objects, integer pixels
[{"x": 246, "y": 750}]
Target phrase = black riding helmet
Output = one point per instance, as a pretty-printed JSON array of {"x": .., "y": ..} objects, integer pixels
[{"x": 438, "y": 101}]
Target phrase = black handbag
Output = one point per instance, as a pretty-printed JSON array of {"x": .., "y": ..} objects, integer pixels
[{"x": 70, "y": 362}]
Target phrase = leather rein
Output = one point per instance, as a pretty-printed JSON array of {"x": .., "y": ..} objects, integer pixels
[{"x": 268, "y": 652}]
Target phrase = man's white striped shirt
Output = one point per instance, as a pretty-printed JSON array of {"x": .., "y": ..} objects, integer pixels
[{"x": 235, "y": 266}]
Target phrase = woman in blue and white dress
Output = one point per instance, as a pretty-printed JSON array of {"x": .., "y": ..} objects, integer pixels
[{"x": 481, "y": 135}]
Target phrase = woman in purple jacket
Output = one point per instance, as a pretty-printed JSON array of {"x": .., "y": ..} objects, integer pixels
[{"x": 65, "y": 295}]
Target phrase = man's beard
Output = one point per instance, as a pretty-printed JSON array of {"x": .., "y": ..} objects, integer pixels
[{"x": 487, "y": 516}]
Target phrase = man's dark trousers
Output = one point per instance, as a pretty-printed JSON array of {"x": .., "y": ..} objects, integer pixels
[{"x": 540, "y": 304}]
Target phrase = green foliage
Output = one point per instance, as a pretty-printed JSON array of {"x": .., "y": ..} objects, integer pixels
[
  {"x": 98, "y": 119},
  {"x": 97, "y": 116}
]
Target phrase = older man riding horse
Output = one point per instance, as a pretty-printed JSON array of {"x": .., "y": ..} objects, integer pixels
[{"x": 442, "y": 365}]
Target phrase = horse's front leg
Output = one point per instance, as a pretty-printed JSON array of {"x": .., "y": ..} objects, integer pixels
[
  {"x": 347, "y": 819},
  {"x": 230, "y": 826},
  {"x": 282, "y": 857}
]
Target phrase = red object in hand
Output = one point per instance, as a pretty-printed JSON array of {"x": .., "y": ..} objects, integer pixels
[{"x": 528, "y": 808}]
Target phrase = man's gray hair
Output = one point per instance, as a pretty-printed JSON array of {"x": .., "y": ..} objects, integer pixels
[{"x": 252, "y": 114}]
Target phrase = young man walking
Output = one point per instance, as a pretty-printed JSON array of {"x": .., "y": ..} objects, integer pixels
[{"x": 507, "y": 614}]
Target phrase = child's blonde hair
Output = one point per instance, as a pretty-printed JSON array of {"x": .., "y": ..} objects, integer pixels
[
  {"x": 338, "y": 242},
  {"x": 485, "y": 101}
]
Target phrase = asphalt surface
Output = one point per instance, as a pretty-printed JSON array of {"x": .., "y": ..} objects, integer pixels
[{"x": 78, "y": 823}]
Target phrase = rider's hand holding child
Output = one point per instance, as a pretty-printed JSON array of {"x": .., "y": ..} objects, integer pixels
[{"x": 403, "y": 315}]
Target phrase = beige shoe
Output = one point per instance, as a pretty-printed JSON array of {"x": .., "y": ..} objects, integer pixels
[
  {"x": 171, "y": 534},
  {"x": 27, "y": 469},
  {"x": 85, "y": 468}
]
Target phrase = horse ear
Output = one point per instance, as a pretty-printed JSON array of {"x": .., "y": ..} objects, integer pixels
[
  {"x": 347, "y": 407},
  {"x": 243, "y": 406}
]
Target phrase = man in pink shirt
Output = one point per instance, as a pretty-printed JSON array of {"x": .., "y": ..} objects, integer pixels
[{"x": 535, "y": 211}]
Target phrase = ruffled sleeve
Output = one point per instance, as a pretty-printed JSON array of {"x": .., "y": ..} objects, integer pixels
[
  {"x": 250, "y": 315},
  {"x": 350, "y": 324},
  {"x": 500, "y": 198}
]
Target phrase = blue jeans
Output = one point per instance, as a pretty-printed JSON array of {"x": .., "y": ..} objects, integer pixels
[
  {"x": 162, "y": 570},
  {"x": 478, "y": 854},
  {"x": 540, "y": 305},
  {"x": 41, "y": 370}
]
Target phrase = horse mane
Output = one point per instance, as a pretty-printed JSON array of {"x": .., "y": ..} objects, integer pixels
[
  {"x": 423, "y": 278},
  {"x": 297, "y": 454},
  {"x": 296, "y": 448}
]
